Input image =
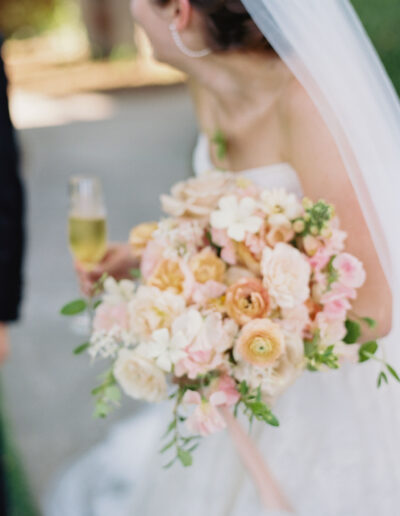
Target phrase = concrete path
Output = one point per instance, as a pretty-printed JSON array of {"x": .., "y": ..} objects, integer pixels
[{"x": 140, "y": 145}]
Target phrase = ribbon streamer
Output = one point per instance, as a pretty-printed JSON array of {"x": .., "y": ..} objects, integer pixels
[{"x": 269, "y": 490}]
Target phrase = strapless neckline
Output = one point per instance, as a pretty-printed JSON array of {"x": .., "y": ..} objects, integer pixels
[{"x": 276, "y": 175}]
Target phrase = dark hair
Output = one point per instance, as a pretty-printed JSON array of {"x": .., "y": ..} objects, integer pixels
[{"x": 229, "y": 26}]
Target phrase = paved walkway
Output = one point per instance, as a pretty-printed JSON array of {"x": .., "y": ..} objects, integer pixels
[{"x": 138, "y": 150}]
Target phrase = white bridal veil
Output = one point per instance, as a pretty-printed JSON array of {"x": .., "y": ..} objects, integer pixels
[{"x": 328, "y": 50}]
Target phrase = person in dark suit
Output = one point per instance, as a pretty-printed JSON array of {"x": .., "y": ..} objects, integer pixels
[{"x": 11, "y": 239}]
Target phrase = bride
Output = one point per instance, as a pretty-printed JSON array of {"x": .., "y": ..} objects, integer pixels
[{"x": 297, "y": 99}]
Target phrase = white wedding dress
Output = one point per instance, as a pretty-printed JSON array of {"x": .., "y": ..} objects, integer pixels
[{"x": 336, "y": 453}]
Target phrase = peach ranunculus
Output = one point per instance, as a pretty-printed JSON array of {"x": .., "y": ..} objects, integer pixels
[
  {"x": 206, "y": 266},
  {"x": 139, "y": 377},
  {"x": 246, "y": 300},
  {"x": 140, "y": 236},
  {"x": 172, "y": 275},
  {"x": 286, "y": 275},
  {"x": 260, "y": 342},
  {"x": 277, "y": 234},
  {"x": 197, "y": 197},
  {"x": 152, "y": 309}
]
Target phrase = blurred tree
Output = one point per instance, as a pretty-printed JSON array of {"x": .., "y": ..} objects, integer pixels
[
  {"x": 110, "y": 27},
  {"x": 25, "y": 17}
]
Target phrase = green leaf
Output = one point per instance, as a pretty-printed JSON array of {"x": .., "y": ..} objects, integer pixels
[
  {"x": 171, "y": 463},
  {"x": 101, "y": 410},
  {"x": 353, "y": 332},
  {"x": 243, "y": 388},
  {"x": 219, "y": 141},
  {"x": 75, "y": 307},
  {"x": 135, "y": 273},
  {"x": 366, "y": 350},
  {"x": 171, "y": 427},
  {"x": 80, "y": 349},
  {"x": 382, "y": 377},
  {"x": 168, "y": 446},
  {"x": 113, "y": 393},
  {"x": 262, "y": 413},
  {"x": 370, "y": 322},
  {"x": 97, "y": 304},
  {"x": 393, "y": 372},
  {"x": 185, "y": 457}
]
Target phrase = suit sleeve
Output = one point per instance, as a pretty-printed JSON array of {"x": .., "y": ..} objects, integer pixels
[{"x": 11, "y": 212}]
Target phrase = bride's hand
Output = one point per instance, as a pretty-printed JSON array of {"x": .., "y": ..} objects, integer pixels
[{"x": 117, "y": 262}]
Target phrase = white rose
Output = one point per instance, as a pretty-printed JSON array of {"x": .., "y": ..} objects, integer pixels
[
  {"x": 286, "y": 275},
  {"x": 139, "y": 377},
  {"x": 116, "y": 292},
  {"x": 153, "y": 309}
]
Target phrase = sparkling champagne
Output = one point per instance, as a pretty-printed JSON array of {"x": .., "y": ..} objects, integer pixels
[{"x": 87, "y": 238}]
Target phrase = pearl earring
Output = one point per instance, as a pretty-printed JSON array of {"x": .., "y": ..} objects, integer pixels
[{"x": 183, "y": 48}]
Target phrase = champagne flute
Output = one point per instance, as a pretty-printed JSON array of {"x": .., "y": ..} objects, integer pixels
[{"x": 87, "y": 228}]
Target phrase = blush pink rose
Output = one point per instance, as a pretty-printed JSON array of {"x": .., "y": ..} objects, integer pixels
[
  {"x": 205, "y": 419},
  {"x": 337, "y": 309},
  {"x": 351, "y": 271},
  {"x": 108, "y": 316}
]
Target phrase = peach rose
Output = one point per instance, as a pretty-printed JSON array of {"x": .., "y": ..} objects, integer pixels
[
  {"x": 140, "y": 236},
  {"x": 172, "y": 275},
  {"x": 197, "y": 197},
  {"x": 246, "y": 300},
  {"x": 279, "y": 234},
  {"x": 260, "y": 343},
  {"x": 206, "y": 266}
]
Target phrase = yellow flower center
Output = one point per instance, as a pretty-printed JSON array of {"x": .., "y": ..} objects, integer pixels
[{"x": 260, "y": 346}]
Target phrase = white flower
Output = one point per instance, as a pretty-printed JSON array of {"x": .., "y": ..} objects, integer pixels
[
  {"x": 286, "y": 275},
  {"x": 104, "y": 343},
  {"x": 152, "y": 309},
  {"x": 116, "y": 292},
  {"x": 204, "y": 333},
  {"x": 278, "y": 201},
  {"x": 166, "y": 350},
  {"x": 332, "y": 330},
  {"x": 179, "y": 238},
  {"x": 139, "y": 377},
  {"x": 236, "y": 216}
]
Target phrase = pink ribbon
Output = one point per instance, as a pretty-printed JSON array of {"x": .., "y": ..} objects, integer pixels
[{"x": 269, "y": 490}]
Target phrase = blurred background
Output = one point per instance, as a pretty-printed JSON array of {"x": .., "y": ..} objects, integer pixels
[{"x": 86, "y": 97}]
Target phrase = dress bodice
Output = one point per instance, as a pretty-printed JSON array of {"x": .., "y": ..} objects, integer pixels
[{"x": 279, "y": 175}]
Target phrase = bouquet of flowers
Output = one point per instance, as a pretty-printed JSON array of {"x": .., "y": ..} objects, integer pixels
[{"x": 239, "y": 291}]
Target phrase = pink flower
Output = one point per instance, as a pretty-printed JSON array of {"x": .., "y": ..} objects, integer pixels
[
  {"x": 254, "y": 244},
  {"x": 150, "y": 258},
  {"x": 332, "y": 330},
  {"x": 203, "y": 292},
  {"x": 350, "y": 269},
  {"x": 221, "y": 239},
  {"x": 108, "y": 316},
  {"x": 205, "y": 419},
  {"x": 226, "y": 385},
  {"x": 320, "y": 259},
  {"x": 198, "y": 362},
  {"x": 337, "y": 309},
  {"x": 335, "y": 243},
  {"x": 338, "y": 291}
]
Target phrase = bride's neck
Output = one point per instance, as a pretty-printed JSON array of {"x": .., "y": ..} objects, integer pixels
[{"x": 238, "y": 75}]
